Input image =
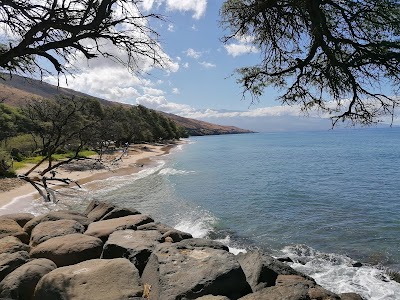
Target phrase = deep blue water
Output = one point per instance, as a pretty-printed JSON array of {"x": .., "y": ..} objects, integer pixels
[{"x": 326, "y": 199}]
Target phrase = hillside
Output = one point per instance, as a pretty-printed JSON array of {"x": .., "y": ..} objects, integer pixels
[{"x": 17, "y": 89}]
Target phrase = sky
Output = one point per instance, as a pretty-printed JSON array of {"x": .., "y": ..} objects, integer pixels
[{"x": 199, "y": 81}]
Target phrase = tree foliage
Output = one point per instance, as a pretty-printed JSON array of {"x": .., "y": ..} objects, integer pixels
[
  {"x": 331, "y": 55},
  {"x": 58, "y": 31}
]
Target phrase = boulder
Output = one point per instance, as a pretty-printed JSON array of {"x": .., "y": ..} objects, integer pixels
[
  {"x": 176, "y": 235},
  {"x": 262, "y": 270},
  {"x": 163, "y": 228},
  {"x": 100, "y": 210},
  {"x": 203, "y": 243},
  {"x": 133, "y": 245},
  {"x": 10, "y": 261},
  {"x": 167, "y": 231},
  {"x": 9, "y": 227},
  {"x": 49, "y": 229},
  {"x": 57, "y": 215},
  {"x": 184, "y": 271},
  {"x": 102, "y": 229},
  {"x": 105, "y": 279},
  {"x": 119, "y": 212},
  {"x": 11, "y": 244},
  {"x": 292, "y": 287},
  {"x": 92, "y": 205},
  {"x": 211, "y": 297},
  {"x": 350, "y": 296},
  {"x": 69, "y": 249},
  {"x": 20, "y": 218},
  {"x": 20, "y": 284}
]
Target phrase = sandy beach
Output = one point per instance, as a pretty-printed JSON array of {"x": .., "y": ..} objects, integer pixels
[{"x": 137, "y": 157}]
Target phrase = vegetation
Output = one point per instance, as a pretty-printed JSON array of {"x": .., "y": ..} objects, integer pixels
[
  {"x": 322, "y": 52},
  {"x": 55, "y": 132}
]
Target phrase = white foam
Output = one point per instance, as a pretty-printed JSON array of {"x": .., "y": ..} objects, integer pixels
[
  {"x": 232, "y": 249},
  {"x": 172, "y": 171},
  {"x": 336, "y": 273},
  {"x": 198, "y": 227}
]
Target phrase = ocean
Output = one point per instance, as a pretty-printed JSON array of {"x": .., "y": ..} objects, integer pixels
[{"x": 326, "y": 199}]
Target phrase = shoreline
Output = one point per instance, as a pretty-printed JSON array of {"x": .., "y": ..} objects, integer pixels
[{"x": 139, "y": 156}]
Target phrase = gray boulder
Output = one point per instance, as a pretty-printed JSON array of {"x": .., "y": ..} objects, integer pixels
[
  {"x": 57, "y": 215},
  {"x": 69, "y": 249},
  {"x": 292, "y": 287},
  {"x": 211, "y": 297},
  {"x": 9, "y": 227},
  {"x": 11, "y": 244},
  {"x": 10, "y": 261},
  {"x": 203, "y": 243},
  {"x": 20, "y": 284},
  {"x": 167, "y": 231},
  {"x": 100, "y": 210},
  {"x": 182, "y": 271},
  {"x": 350, "y": 296},
  {"x": 133, "y": 245},
  {"x": 113, "y": 279},
  {"x": 119, "y": 212},
  {"x": 163, "y": 228},
  {"x": 50, "y": 229},
  {"x": 262, "y": 270},
  {"x": 20, "y": 218},
  {"x": 102, "y": 229}
]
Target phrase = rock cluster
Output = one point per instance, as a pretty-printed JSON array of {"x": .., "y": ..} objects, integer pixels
[{"x": 115, "y": 253}]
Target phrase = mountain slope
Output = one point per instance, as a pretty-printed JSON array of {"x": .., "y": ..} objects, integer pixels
[{"x": 16, "y": 90}]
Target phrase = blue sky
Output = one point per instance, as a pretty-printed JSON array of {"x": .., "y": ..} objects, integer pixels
[{"x": 198, "y": 81}]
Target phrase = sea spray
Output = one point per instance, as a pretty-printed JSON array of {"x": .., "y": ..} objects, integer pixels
[{"x": 337, "y": 273}]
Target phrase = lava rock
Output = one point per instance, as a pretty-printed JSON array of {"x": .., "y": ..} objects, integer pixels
[
  {"x": 69, "y": 249},
  {"x": 102, "y": 229},
  {"x": 133, "y": 245},
  {"x": 20, "y": 284},
  {"x": 185, "y": 271},
  {"x": 262, "y": 270},
  {"x": 105, "y": 279},
  {"x": 9, "y": 227},
  {"x": 50, "y": 229}
]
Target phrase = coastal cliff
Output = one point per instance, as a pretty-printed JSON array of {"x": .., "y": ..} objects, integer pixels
[{"x": 111, "y": 252}]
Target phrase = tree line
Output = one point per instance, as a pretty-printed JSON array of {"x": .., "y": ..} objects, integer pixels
[{"x": 47, "y": 127}]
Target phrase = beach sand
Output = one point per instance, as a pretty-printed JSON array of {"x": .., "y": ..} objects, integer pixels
[{"x": 138, "y": 157}]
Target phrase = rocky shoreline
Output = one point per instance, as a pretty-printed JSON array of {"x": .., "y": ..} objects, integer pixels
[{"x": 109, "y": 252}]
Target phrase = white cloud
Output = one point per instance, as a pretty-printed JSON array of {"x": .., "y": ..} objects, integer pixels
[
  {"x": 175, "y": 91},
  {"x": 194, "y": 28},
  {"x": 207, "y": 65},
  {"x": 240, "y": 49},
  {"x": 192, "y": 53},
  {"x": 186, "y": 65},
  {"x": 153, "y": 91},
  {"x": 171, "y": 27},
  {"x": 198, "y": 7}
]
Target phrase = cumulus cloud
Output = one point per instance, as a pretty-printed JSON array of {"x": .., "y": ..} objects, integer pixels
[
  {"x": 152, "y": 91},
  {"x": 198, "y": 7},
  {"x": 192, "y": 53},
  {"x": 107, "y": 79},
  {"x": 207, "y": 65},
  {"x": 175, "y": 91},
  {"x": 186, "y": 65},
  {"x": 236, "y": 49},
  {"x": 171, "y": 27}
]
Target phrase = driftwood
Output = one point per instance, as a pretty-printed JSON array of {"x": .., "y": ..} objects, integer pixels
[{"x": 43, "y": 184}]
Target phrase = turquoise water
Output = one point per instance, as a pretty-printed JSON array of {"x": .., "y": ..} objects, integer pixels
[{"x": 326, "y": 199}]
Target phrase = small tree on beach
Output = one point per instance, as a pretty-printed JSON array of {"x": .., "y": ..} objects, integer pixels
[
  {"x": 326, "y": 54},
  {"x": 64, "y": 124},
  {"x": 53, "y": 33}
]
